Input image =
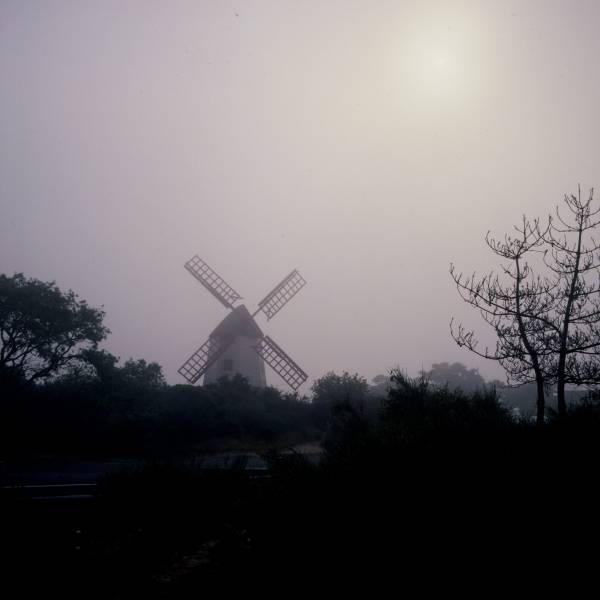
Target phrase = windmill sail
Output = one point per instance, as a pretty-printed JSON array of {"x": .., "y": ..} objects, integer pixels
[
  {"x": 195, "y": 366},
  {"x": 276, "y": 299},
  {"x": 215, "y": 284},
  {"x": 281, "y": 363}
]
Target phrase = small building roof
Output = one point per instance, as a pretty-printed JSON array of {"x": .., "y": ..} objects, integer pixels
[{"x": 238, "y": 322}]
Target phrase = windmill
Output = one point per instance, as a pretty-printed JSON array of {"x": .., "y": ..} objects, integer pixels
[{"x": 237, "y": 344}]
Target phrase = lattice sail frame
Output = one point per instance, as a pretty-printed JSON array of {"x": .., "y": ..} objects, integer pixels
[
  {"x": 213, "y": 282},
  {"x": 195, "y": 366},
  {"x": 276, "y": 299},
  {"x": 280, "y": 362}
]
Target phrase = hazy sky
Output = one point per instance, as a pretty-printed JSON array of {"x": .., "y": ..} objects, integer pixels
[{"x": 367, "y": 144}]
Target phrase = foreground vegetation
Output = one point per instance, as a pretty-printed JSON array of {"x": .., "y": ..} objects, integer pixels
[
  {"x": 133, "y": 414},
  {"x": 435, "y": 480}
]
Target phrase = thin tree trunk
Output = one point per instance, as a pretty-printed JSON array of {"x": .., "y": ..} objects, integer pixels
[
  {"x": 561, "y": 403},
  {"x": 541, "y": 402},
  {"x": 539, "y": 376}
]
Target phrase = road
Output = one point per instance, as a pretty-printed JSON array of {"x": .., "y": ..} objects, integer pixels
[{"x": 45, "y": 479}]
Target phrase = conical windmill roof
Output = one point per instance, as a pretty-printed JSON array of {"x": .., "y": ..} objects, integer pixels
[{"x": 238, "y": 322}]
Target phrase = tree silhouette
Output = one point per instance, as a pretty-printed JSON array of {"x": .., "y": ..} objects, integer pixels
[
  {"x": 332, "y": 389},
  {"x": 514, "y": 304},
  {"x": 455, "y": 375},
  {"x": 547, "y": 327},
  {"x": 42, "y": 329},
  {"x": 574, "y": 261}
]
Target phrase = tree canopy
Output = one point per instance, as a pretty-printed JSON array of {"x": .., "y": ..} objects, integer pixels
[
  {"x": 43, "y": 329},
  {"x": 456, "y": 376},
  {"x": 337, "y": 389}
]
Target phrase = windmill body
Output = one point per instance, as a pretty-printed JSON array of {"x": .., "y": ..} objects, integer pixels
[
  {"x": 240, "y": 333},
  {"x": 237, "y": 345}
]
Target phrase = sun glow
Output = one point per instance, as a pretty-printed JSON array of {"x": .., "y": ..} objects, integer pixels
[
  {"x": 440, "y": 58},
  {"x": 440, "y": 62},
  {"x": 437, "y": 67}
]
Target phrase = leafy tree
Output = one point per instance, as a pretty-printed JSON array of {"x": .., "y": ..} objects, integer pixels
[
  {"x": 334, "y": 389},
  {"x": 43, "y": 329},
  {"x": 341, "y": 406},
  {"x": 137, "y": 375},
  {"x": 380, "y": 385},
  {"x": 455, "y": 375},
  {"x": 338, "y": 400},
  {"x": 416, "y": 411}
]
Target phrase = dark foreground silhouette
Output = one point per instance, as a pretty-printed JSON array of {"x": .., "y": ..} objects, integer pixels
[{"x": 439, "y": 488}]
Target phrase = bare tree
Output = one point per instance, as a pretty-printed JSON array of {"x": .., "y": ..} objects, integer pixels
[
  {"x": 514, "y": 303},
  {"x": 574, "y": 261},
  {"x": 547, "y": 327}
]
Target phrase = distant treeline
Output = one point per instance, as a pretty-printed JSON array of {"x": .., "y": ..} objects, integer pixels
[
  {"x": 101, "y": 407},
  {"x": 133, "y": 414}
]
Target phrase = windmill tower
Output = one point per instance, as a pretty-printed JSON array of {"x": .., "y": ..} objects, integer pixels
[{"x": 237, "y": 345}]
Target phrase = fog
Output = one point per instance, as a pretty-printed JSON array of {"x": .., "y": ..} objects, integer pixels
[{"x": 367, "y": 144}]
